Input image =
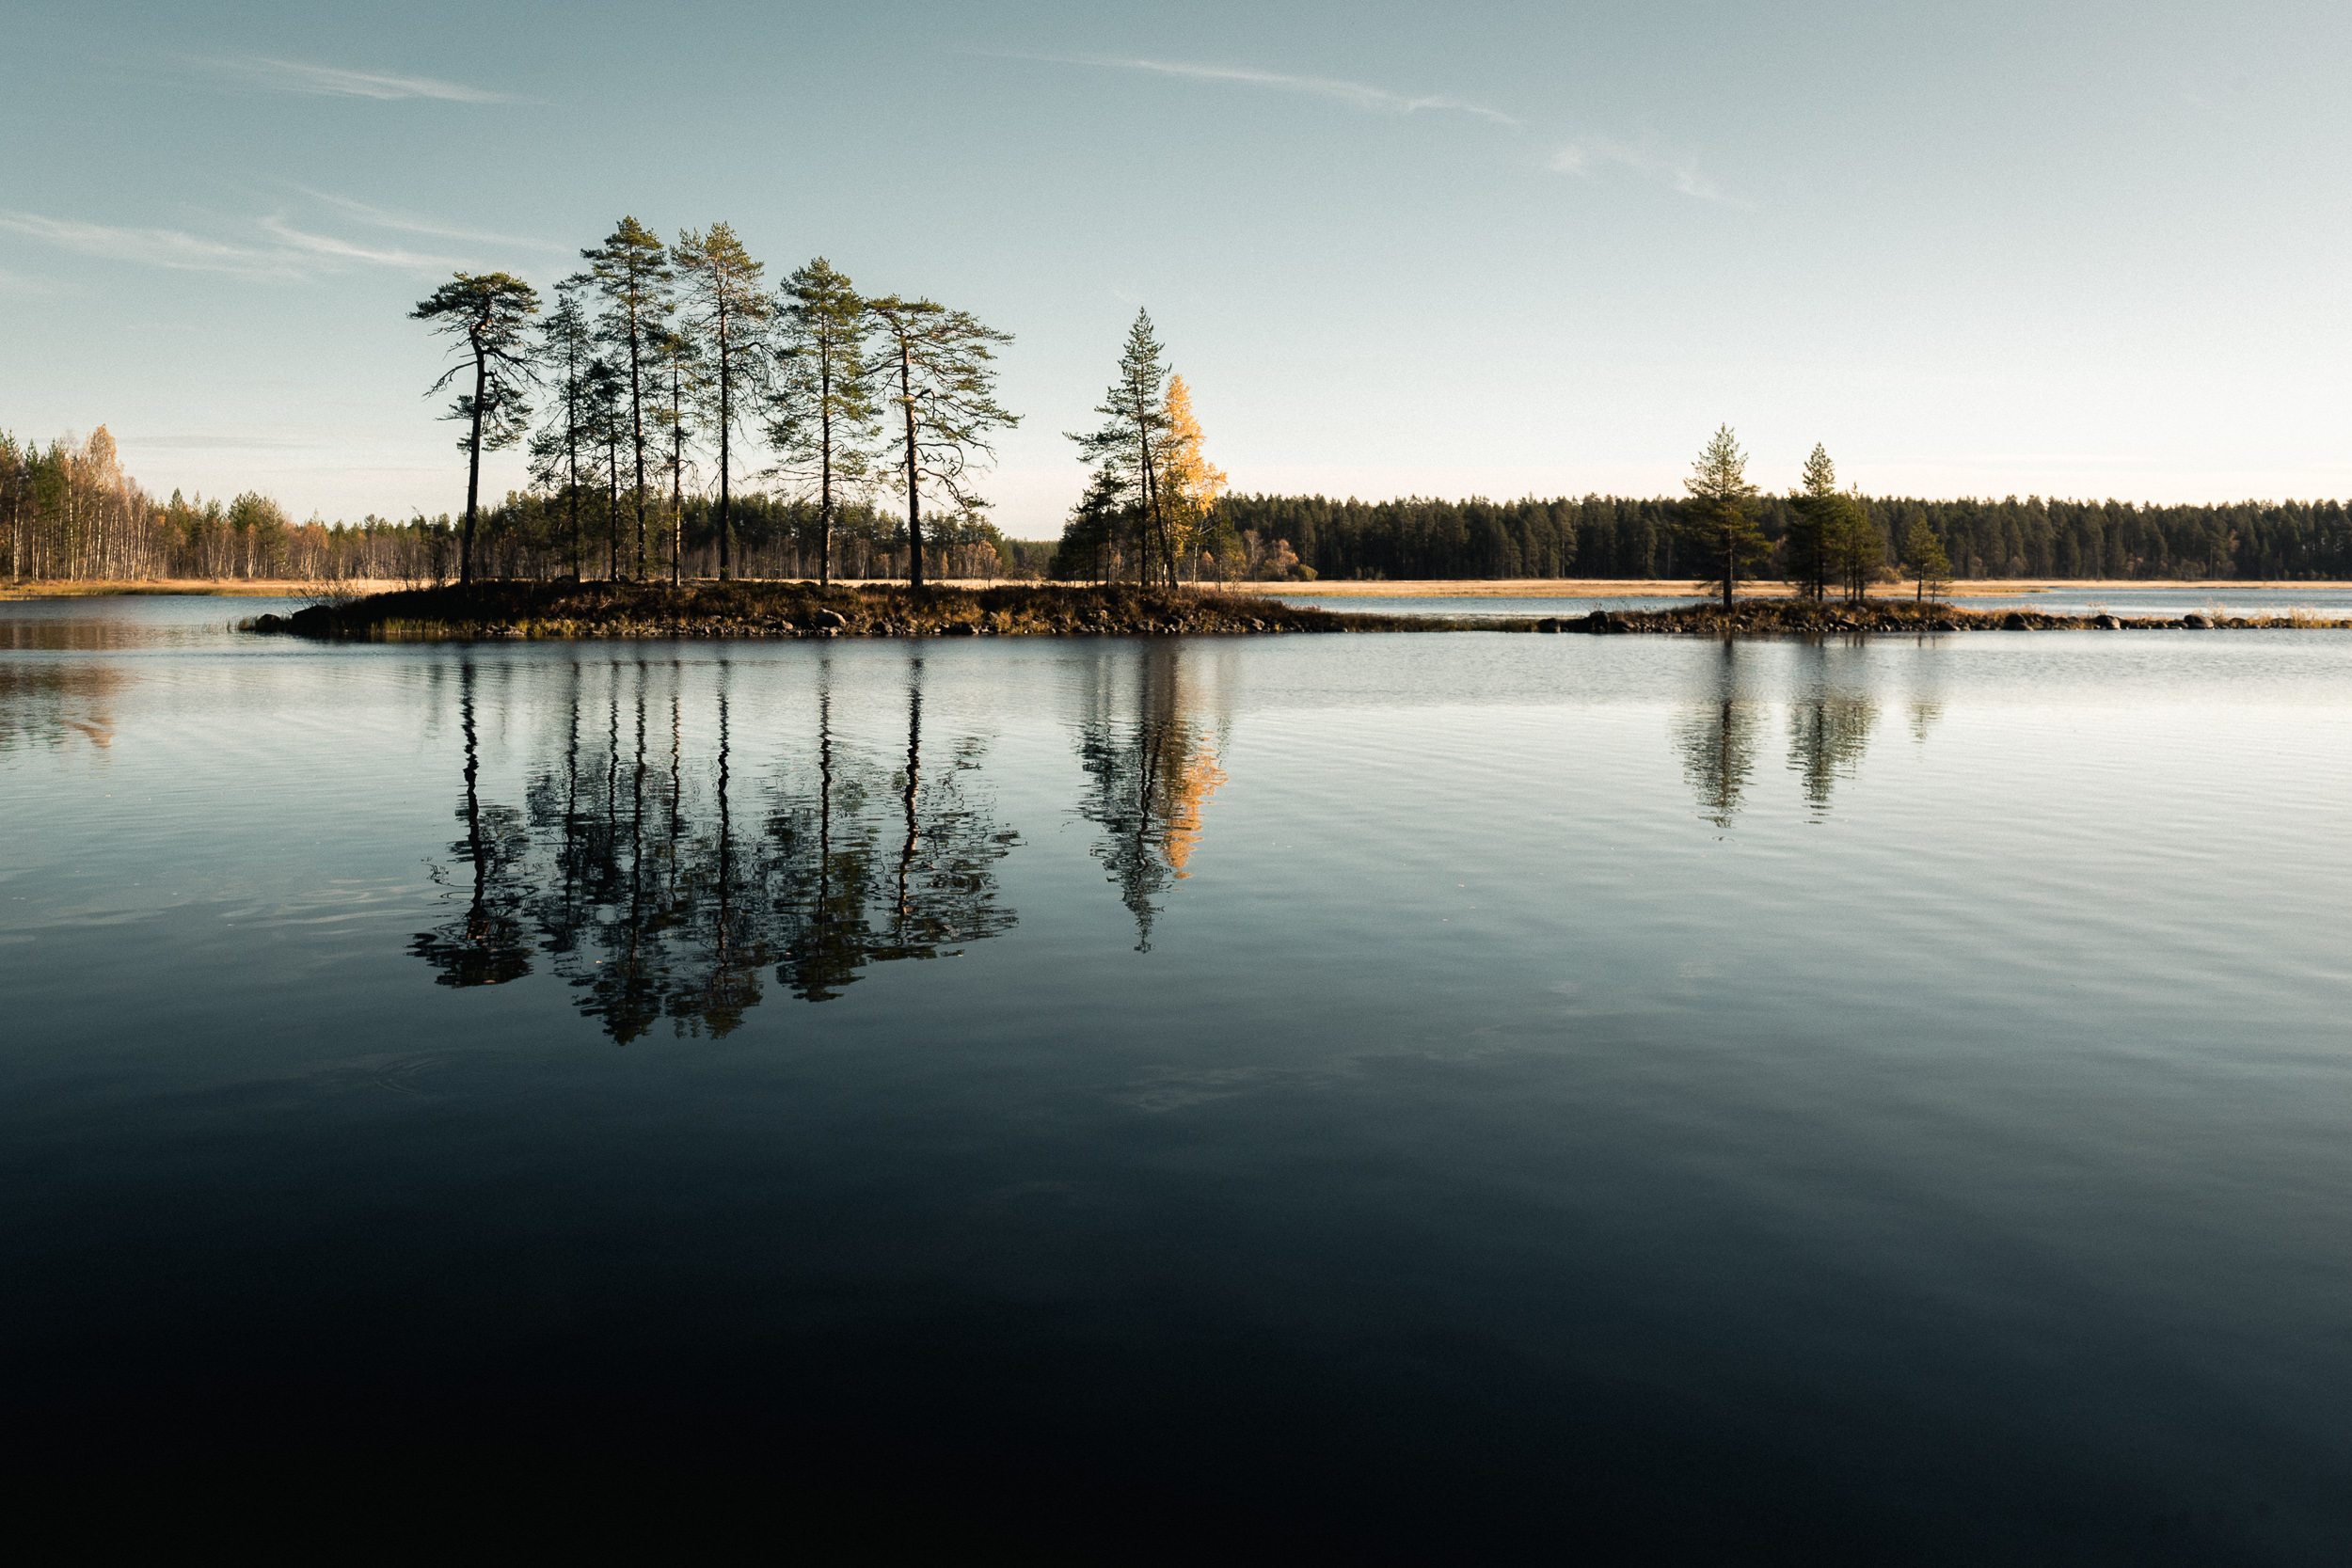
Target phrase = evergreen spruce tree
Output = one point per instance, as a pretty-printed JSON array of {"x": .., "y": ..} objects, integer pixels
[
  {"x": 1718, "y": 516},
  {"x": 937, "y": 362},
  {"x": 1811, "y": 510},
  {"x": 823, "y": 424},
  {"x": 1128, "y": 447},
  {"x": 1850, "y": 541},
  {"x": 728, "y": 316},
  {"x": 632, "y": 271},
  {"x": 1924, "y": 557},
  {"x": 489, "y": 312}
]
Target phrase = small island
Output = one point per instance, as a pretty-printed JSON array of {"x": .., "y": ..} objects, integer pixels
[
  {"x": 1763, "y": 617},
  {"x": 740, "y": 609}
]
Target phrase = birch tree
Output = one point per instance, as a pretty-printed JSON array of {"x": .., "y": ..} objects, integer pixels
[{"x": 1189, "y": 482}]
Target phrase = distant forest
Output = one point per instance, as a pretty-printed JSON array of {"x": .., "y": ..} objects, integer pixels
[
  {"x": 1614, "y": 536},
  {"x": 69, "y": 512}
]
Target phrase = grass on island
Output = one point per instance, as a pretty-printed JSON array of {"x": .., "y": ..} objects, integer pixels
[{"x": 740, "y": 609}]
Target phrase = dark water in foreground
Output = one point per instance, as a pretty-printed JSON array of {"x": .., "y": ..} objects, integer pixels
[{"x": 1464, "y": 1099}]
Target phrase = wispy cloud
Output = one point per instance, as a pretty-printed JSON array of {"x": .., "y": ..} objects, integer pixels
[
  {"x": 343, "y": 251},
  {"x": 377, "y": 217},
  {"x": 1358, "y": 95},
  {"x": 294, "y": 257},
  {"x": 173, "y": 248},
  {"x": 326, "y": 81},
  {"x": 1588, "y": 155}
]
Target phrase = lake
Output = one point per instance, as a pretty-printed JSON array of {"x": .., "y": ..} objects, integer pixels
[{"x": 1470, "y": 1098}]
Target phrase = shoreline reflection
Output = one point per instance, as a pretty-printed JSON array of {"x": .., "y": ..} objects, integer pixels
[{"x": 656, "y": 892}]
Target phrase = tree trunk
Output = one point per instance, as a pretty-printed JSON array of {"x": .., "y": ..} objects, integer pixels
[
  {"x": 637, "y": 436},
  {"x": 915, "y": 505},
  {"x": 571, "y": 458},
  {"x": 1731, "y": 562},
  {"x": 824, "y": 458},
  {"x": 473, "y": 466},
  {"x": 725, "y": 412},
  {"x": 1154, "y": 526},
  {"x": 677, "y": 466}
]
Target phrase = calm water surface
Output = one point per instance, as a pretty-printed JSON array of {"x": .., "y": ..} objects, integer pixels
[
  {"x": 2236, "y": 599},
  {"x": 1462, "y": 1099}
]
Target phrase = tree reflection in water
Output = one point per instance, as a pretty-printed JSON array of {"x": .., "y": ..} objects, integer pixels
[
  {"x": 1148, "y": 776},
  {"x": 1716, "y": 738},
  {"x": 657, "y": 892},
  {"x": 1829, "y": 725}
]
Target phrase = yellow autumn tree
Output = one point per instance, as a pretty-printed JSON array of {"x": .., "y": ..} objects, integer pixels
[{"x": 1189, "y": 483}]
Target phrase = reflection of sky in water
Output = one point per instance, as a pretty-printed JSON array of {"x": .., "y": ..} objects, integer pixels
[{"x": 1433, "y": 1068}]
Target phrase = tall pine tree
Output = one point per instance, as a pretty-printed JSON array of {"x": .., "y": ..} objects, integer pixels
[
  {"x": 823, "y": 424},
  {"x": 728, "y": 315},
  {"x": 1128, "y": 447},
  {"x": 937, "y": 366},
  {"x": 566, "y": 346},
  {"x": 632, "y": 271},
  {"x": 1718, "y": 516},
  {"x": 490, "y": 311},
  {"x": 1812, "y": 510}
]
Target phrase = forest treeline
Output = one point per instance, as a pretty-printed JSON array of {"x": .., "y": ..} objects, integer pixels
[
  {"x": 69, "y": 512},
  {"x": 1618, "y": 537}
]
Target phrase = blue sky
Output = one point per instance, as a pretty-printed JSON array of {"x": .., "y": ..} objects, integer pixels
[{"x": 2093, "y": 250}]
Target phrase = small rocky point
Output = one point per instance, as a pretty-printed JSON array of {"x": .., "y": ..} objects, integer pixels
[{"x": 1827, "y": 618}]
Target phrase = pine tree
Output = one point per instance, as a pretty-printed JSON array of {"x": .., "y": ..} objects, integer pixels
[
  {"x": 566, "y": 346},
  {"x": 1855, "y": 552},
  {"x": 608, "y": 422},
  {"x": 728, "y": 315},
  {"x": 823, "y": 424},
  {"x": 939, "y": 360},
  {"x": 489, "y": 310},
  {"x": 1924, "y": 558},
  {"x": 1128, "y": 446},
  {"x": 680, "y": 371},
  {"x": 1094, "y": 528},
  {"x": 1811, "y": 510},
  {"x": 632, "y": 271},
  {"x": 1718, "y": 510}
]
